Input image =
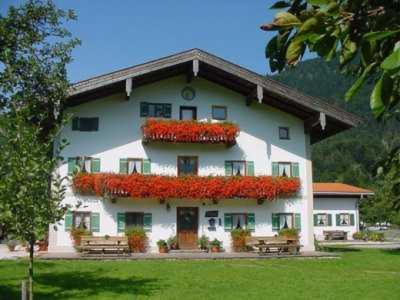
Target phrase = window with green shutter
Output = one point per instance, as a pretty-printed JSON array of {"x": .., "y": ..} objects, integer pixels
[
  {"x": 352, "y": 219},
  {"x": 95, "y": 165},
  {"x": 286, "y": 169},
  {"x": 251, "y": 221},
  {"x": 68, "y": 221},
  {"x": 227, "y": 222},
  {"x": 147, "y": 221},
  {"x": 237, "y": 168},
  {"x": 322, "y": 219},
  {"x": 131, "y": 166},
  {"x": 250, "y": 168},
  {"x": 95, "y": 222},
  {"x": 275, "y": 169},
  {"x": 123, "y": 165},
  {"x": 155, "y": 110},
  {"x": 337, "y": 220},
  {"x": 72, "y": 165},
  {"x": 329, "y": 220},
  {"x": 345, "y": 219},
  {"x": 275, "y": 222},
  {"x": 121, "y": 222},
  {"x": 295, "y": 170},
  {"x": 297, "y": 221},
  {"x": 228, "y": 168},
  {"x": 146, "y": 166}
]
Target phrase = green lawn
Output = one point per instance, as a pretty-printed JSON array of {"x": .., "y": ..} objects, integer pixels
[{"x": 366, "y": 274}]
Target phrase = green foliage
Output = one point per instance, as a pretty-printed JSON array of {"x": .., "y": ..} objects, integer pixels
[
  {"x": 203, "y": 242},
  {"x": 135, "y": 231},
  {"x": 359, "y": 235},
  {"x": 216, "y": 243},
  {"x": 289, "y": 233},
  {"x": 363, "y": 34},
  {"x": 162, "y": 244},
  {"x": 375, "y": 236},
  {"x": 240, "y": 233},
  {"x": 172, "y": 241}
]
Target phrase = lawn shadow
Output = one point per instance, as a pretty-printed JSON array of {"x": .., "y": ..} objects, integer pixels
[
  {"x": 391, "y": 251},
  {"x": 338, "y": 249},
  {"x": 83, "y": 284}
]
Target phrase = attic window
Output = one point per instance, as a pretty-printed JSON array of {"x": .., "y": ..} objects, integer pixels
[
  {"x": 85, "y": 124},
  {"x": 155, "y": 110},
  {"x": 284, "y": 133}
]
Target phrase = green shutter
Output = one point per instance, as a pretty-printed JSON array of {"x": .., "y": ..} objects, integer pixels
[
  {"x": 315, "y": 219},
  {"x": 275, "y": 169},
  {"x": 121, "y": 222},
  {"x": 147, "y": 221},
  {"x": 144, "y": 109},
  {"x": 75, "y": 123},
  {"x": 250, "y": 168},
  {"x": 351, "y": 219},
  {"x": 329, "y": 220},
  {"x": 251, "y": 222},
  {"x": 228, "y": 168},
  {"x": 95, "y": 222},
  {"x": 297, "y": 221},
  {"x": 337, "y": 219},
  {"x": 275, "y": 222},
  {"x": 95, "y": 165},
  {"x": 68, "y": 221},
  {"x": 295, "y": 170},
  {"x": 146, "y": 166},
  {"x": 227, "y": 222},
  {"x": 72, "y": 165},
  {"x": 123, "y": 166}
]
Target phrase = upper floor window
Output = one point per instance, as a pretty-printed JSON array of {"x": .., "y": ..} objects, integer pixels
[
  {"x": 83, "y": 164},
  {"x": 85, "y": 124},
  {"x": 219, "y": 112},
  {"x": 187, "y": 165},
  {"x": 155, "y": 110},
  {"x": 131, "y": 165},
  {"x": 284, "y": 133},
  {"x": 285, "y": 169},
  {"x": 235, "y": 168}
]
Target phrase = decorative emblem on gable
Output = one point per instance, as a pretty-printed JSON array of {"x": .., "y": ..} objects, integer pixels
[{"x": 188, "y": 93}]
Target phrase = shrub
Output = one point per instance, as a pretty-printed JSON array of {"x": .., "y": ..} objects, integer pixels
[
  {"x": 289, "y": 233},
  {"x": 359, "y": 235},
  {"x": 136, "y": 239},
  {"x": 173, "y": 242},
  {"x": 376, "y": 236},
  {"x": 203, "y": 242},
  {"x": 77, "y": 233},
  {"x": 162, "y": 244},
  {"x": 239, "y": 239}
]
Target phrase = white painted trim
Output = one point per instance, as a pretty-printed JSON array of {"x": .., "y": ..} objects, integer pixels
[
  {"x": 128, "y": 86},
  {"x": 195, "y": 67},
  {"x": 260, "y": 93}
]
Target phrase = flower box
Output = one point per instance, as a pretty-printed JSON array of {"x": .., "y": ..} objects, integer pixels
[
  {"x": 185, "y": 187},
  {"x": 175, "y": 131}
]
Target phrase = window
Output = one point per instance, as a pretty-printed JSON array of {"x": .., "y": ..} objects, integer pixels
[
  {"x": 81, "y": 220},
  {"x": 284, "y": 133},
  {"x": 235, "y": 168},
  {"x": 133, "y": 219},
  {"x": 188, "y": 113},
  {"x": 131, "y": 165},
  {"x": 187, "y": 165},
  {"x": 285, "y": 220},
  {"x": 85, "y": 124},
  {"x": 83, "y": 164},
  {"x": 155, "y": 110},
  {"x": 219, "y": 112},
  {"x": 322, "y": 220},
  {"x": 285, "y": 169},
  {"x": 344, "y": 219},
  {"x": 239, "y": 220}
]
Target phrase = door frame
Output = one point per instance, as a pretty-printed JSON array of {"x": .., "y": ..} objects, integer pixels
[
  {"x": 196, "y": 230},
  {"x": 192, "y": 108}
]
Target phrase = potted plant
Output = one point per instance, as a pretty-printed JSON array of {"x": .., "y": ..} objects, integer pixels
[
  {"x": 239, "y": 239},
  {"x": 136, "y": 239},
  {"x": 77, "y": 233},
  {"x": 289, "y": 233},
  {"x": 11, "y": 244},
  {"x": 215, "y": 245},
  {"x": 203, "y": 242},
  {"x": 173, "y": 243},
  {"x": 162, "y": 246}
]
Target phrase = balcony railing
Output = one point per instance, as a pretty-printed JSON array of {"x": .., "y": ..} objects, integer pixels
[
  {"x": 175, "y": 131},
  {"x": 185, "y": 187}
]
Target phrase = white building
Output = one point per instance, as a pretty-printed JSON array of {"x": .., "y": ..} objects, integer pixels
[
  {"x": 277, "y": 127},
  {"x": 336, "y": 208}
]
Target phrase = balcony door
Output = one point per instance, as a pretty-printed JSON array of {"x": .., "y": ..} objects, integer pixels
[
  {"x": 188, "y": 225},
  {"x": 187, "y": 165},
  {"x": 188, "y": 113}
]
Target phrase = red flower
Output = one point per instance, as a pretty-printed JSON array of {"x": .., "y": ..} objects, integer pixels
[
  {"x": 185, "y": 187},
  {"x": 189, "y": 131}
]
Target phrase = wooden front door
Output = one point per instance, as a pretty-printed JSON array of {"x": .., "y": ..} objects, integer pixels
[{"x": 188, "y": 222}]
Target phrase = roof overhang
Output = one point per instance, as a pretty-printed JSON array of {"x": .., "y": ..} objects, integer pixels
[{"x": 232, "y": 76}]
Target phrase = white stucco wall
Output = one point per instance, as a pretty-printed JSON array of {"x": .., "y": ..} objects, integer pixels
[
  {"x": 336, "y": 205},
  {"x": 119, "y": 136}
]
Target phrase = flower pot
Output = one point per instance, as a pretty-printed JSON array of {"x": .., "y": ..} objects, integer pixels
[
  {"x": 163, "y": 250},
  {"x": 214, "y": 249},
  {"x": 136, "y": 243}
]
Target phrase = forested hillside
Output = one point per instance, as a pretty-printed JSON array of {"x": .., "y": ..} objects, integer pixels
[{"x": 350, "y": 156}]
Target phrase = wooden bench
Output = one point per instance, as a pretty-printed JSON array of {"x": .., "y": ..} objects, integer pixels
[
  {"x": 103, "y": 245},
  {"x": 335, "y": 235},
  {"x": 274, "y": 244}
]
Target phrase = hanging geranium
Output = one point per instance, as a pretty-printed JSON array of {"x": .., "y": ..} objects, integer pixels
[
  {"x": 175, "y": 131},
  {"x": 185, "y": 187}
]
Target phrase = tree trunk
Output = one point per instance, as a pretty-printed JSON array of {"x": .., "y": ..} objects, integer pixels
[{"x": 31, "y": 245}]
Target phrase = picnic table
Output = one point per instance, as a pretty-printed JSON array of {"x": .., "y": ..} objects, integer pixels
[
  {"x": 274, "y": 244},
  {"x": 335, "y": 235},
  {"x": 103, "y": 245}
]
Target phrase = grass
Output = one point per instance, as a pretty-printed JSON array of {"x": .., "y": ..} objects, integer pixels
[{"x": 364, "y": 274}]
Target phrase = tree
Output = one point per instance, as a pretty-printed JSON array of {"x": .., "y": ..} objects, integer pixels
[
  {"x": 365, "y": 35},
  {"x": 34, "y": 51}
]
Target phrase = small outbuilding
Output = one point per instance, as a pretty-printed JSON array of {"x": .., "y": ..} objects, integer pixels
[{"x": 336, "y": 210}]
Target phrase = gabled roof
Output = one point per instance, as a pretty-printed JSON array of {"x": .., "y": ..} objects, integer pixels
[
  {"x": 335, "y": 188},
  {"x": 225, "y": 73}
]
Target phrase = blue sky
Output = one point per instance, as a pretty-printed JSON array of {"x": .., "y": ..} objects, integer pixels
[{"x": 118, "y": 34}]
